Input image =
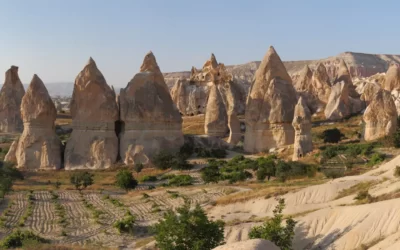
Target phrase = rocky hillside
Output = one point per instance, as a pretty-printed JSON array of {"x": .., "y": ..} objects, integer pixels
[{"x": 360, "y": 65}]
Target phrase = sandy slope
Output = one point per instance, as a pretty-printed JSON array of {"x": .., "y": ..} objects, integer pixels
[{"x": 337, "y": 224}]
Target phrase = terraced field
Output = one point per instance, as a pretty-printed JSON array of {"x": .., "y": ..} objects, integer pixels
[{"x": 88, "y": 217}]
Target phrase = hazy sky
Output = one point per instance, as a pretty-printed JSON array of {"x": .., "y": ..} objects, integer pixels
[{"x": 55, "y": 38}]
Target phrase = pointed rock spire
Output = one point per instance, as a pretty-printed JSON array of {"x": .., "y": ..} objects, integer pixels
[
  {"x": 150, "y": 64},
  {"x": 392, "y": 78},
  {"x": 380, "y": 116},
  {"x": 343, "y": 74},
  {"x": 271, "y": 99},
  {"x": 93, "y": 142},
  {"x": 216, "y": 120},
  {"x": 38, "y": 147},
  {"x": 302, "y": 126},
  {"x": 213, "y": 61},
  {"x": 10, "y": 101},
  {"x": 321, "y": 75},
  {"x": 304, "y": 82}
]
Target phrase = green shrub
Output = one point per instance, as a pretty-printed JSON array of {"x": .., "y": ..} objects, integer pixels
[
  {"x": 211, "y": 174},
  {"x": 266, "y": 168},
  {"x": 283, "y": 170},
  {"x": 164, "y": 160},
  {"x": 148, "y": 178},
  {"x": 126, "y": 225},
  {"x": 331, "y": 135},
  {"x": 180, "y": 180},
  {"x": 376, "y": 159},
  {"x": 81, "y": 180},
  {"x": 273, "y": 229},
  {"x": 210, "y": 153},
  {"x": 188, "y": 229},
  {"x": 17, "y": 238}
]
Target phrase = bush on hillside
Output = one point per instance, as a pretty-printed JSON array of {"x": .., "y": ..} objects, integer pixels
[
  {"x": 17, "y": 238},
  {"x": 124, "y": 179},
  {"x": 188, "y": 229},
  {"x": 331, "y": 135},
  {"x": 180, "y": 180},
  {"x": 81, "y": 180},
  {"x": 148, "y": 178}
]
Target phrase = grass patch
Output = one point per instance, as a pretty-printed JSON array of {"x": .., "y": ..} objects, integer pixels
[
  {"x": 113, "y": 201},
  {"x": 362, "y": 186}
]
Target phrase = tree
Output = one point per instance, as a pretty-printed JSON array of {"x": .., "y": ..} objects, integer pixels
[
  {"x": 138, "y": 168},
  {"x": 274, "y": 231},
  {"x": 266, "y": 168},
  {"x": 282, "y": 170},
  {"x": 188, "y": 230},
  {"x": 331, "y": 135},
  {"x": 81, "y": 180},
  {"x": 8, "y": 174},
  {"x": 211, "y": 174},
  {"x": 125, "y": 180}
]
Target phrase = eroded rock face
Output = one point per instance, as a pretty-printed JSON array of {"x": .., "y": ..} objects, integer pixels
[
  {"x": 369, "y": 91},
  {"x": 270, "y": 106},
  {"x": 216, "y": 119},
  {"x": 151, "y": 121},
  {"x": 302, "y": 127},
  {"x": 380, "y": 116},
  {"x": 93, "y": 143},
  {"x": 314, "y": 87},
  {"x": 38, "y": 147},
  {"x": 190, "y": 96},
  {"x": 392, "y": 78},
  {"x": 340, "y": 104},
  {"x": 10, "y": 102},
  {"x": 343, "y": 75}
]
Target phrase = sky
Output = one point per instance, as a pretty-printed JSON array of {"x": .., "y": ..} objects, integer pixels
[{"x": 55, "y": 38}]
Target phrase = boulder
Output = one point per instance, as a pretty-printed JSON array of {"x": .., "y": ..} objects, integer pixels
[
  {"x": 380, "y": 117},
  {"x": 392, "y": 78},
  {"x": 216, "y": 120},
  {"x": 93, "y": 143},
  {"x": 270, "y": 106},
  {"x": 343, "y": 75},
  {"x": 254, "y": 244},
  {"x": 151, "y": 121},
  {"x": 38, "y": 148},
  {"x": 369, "y": 91},
  {"x": 302, "y": 127},
  {"x": 10, "y": 102},
  {"x": 340, "y": 104}
]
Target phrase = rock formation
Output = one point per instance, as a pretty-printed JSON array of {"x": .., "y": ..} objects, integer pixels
[
  {"x": 151, "y": 121},
  {"x": 93, "y": 143},
  {"x": 190, "y": 96},
  {"x": 314, "y": 87},
  {"x": 38, "y": 147},
  {"x": 340, "y": 104},
  {"x": 343, "y": 75},
  {"x": 270, "y": 106},
  {"x": 369, "y": 91},
  {"x": 392, "y": 78},
  {"x": 380, "y": 117},
  {"x": 302, "y": 127},
  {"x": 216, "y": 120},
  {"x": 10, "y": 102}
]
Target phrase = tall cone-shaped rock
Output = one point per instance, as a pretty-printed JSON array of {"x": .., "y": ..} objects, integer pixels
[
  {"x": 93, "y": 143},
  {"x": 179, "y": 94},
  {"x": 302, "y": 127},
  {"x": 380, "y": 117},
  {"x": 10, "y": 102},
  {"x": 270, "y": 106},
  {"x": 39, "y": 146},
  {"x": 343, "y": 74},
  {"x": 216, "y": 120},
  {"x": 392, "y": 78},
  {"x": 304, "y": 82},
  {"x": 369, "y": 92},
  {"x": 321, "y": 83},
  {"x": 151, "y": 121}
]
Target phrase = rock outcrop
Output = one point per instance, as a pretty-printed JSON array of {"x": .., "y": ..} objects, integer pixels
[
  {"x": 151, "y": 121},
  {"x": 254, "y": 244},
  {"x": 380, "y": 117},
  {"x": 10, "y": 102},
  {"x": 369, "y": 91},
  {"x": 216, "y": 119},
  {"x": 343, "y": 75},
  {"x": 340, "y": 104},
  {"x": 314, "y": 87},
  {"x": 93, "y": 143},
  {"x": 302, "y": 127},
  {"x": 38, "y": 148},
  {"x": 270, "y": 106},
  {"x": 190, "y": 96},
  {"x": 392, "y": 78},
  {"x": 58, "y": 106}
]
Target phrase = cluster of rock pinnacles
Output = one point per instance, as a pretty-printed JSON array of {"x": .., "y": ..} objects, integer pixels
[{"x": 145, "y": 118}]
